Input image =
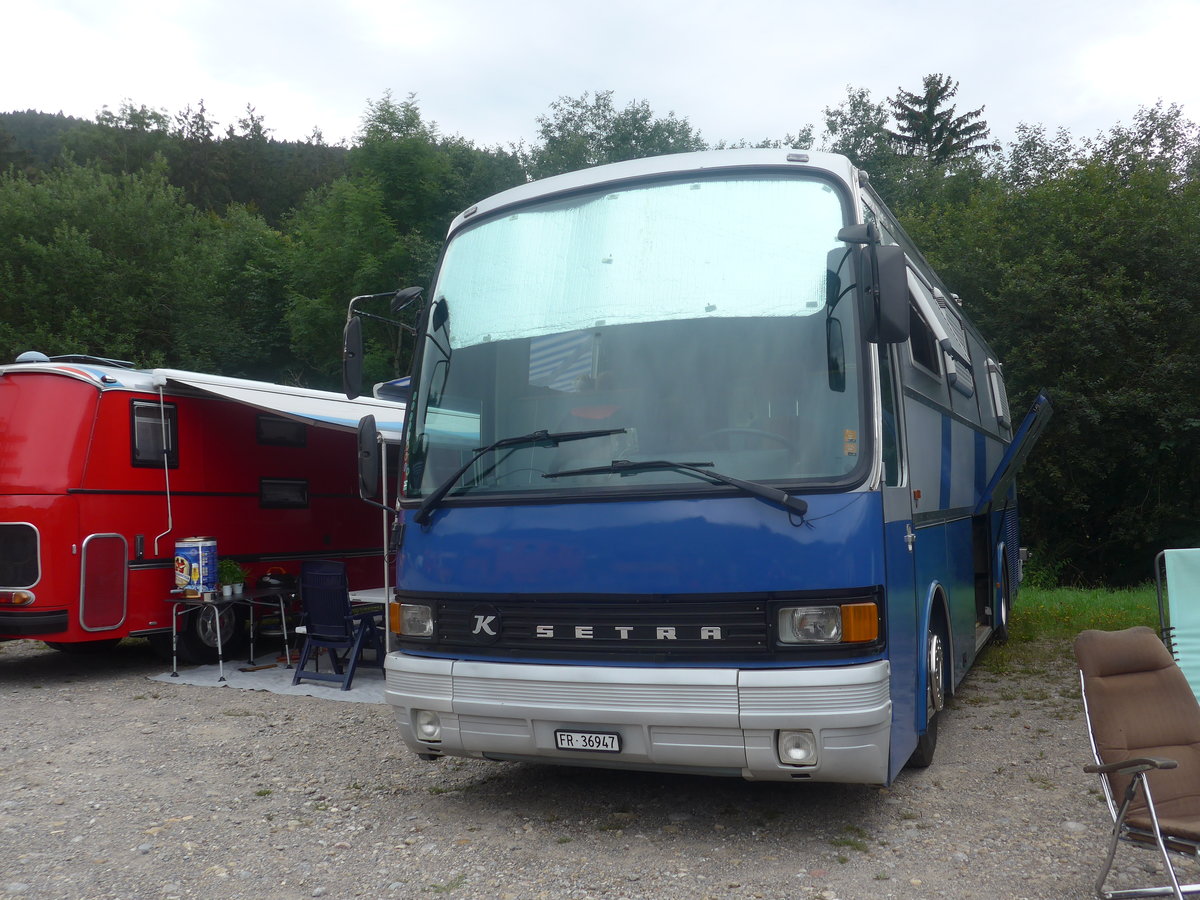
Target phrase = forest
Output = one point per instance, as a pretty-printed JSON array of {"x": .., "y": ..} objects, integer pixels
[{"x": 167, "y": 239}]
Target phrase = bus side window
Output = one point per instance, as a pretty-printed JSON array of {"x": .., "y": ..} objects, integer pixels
[
  {"x": 893, "y": 474},
  {"x": 923, "y": 343}
]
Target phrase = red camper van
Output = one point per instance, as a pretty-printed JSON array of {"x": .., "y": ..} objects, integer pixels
[{"x": 104, "y": 468}]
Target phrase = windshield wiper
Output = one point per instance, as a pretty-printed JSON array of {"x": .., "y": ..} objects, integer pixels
[
  {"x": 702, "y": 469},
  {"x": 535, "y": 439}
]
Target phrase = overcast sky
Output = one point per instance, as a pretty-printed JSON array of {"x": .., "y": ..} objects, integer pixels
[{"x": 486, "y": 69}]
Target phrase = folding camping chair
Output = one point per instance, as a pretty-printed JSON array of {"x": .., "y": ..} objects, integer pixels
[
  {"x": 1144, "y": 725},
  {"x": 330, "y": 624},
  {"x": 1177, "y": 578}
]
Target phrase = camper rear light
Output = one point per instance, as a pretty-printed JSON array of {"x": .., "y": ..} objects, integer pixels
[
  {"x": 846, "y": 623},
  {"x": 415, "y": 620},
  {"x": 17, "y": 598}
]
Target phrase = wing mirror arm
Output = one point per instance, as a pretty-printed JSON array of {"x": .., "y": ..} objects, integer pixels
[{"x": 352, "y": 342}]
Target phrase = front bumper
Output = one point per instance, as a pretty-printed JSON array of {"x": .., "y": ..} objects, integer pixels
[
  {"x": 692, "y": 720},
  {"x": 27, "y": 623}
]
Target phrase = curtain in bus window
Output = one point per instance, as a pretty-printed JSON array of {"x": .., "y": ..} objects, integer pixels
[{"x": 561, "y": 361}]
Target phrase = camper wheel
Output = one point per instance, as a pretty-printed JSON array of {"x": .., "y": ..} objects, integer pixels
[{"x": 198, "y": 633}]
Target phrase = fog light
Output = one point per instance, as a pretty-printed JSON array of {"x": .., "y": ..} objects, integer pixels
[
  {"x": 796, "y": 748},
  {"x": 427, "y": 724}
]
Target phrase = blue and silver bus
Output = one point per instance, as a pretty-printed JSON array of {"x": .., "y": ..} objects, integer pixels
[{"x": 704, "y": 470}]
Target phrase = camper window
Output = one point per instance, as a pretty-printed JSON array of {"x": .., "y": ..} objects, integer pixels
[
  {"x": 276, "y": 431},
  {"x": 154, "y": 427},
  {"x": 282, "y": 493}
]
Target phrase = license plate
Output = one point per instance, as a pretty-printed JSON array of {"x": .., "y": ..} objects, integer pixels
[{"x": 593, "y": 741}]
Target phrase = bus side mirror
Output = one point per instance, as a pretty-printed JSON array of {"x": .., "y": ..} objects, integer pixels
[
  {"x": 891, "y": 319},
  {"x": 352, "y": 358},
  {"x": 368, "y": 458},
  {"x": 882, "y": 275}
]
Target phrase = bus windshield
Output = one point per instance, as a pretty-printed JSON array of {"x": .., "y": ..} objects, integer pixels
[{"x": 704, "y": 320}]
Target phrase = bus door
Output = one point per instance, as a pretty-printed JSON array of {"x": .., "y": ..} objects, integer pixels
[
  {"x": 1027, "y": 435},
  {"x": 905, "y": 628}
]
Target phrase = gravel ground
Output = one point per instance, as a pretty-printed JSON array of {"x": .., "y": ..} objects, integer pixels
[{"x": 113, "y": 786}]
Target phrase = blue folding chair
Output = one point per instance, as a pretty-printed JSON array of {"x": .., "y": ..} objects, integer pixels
[
  {"x": 1177, "y": 576},
  {"x": 330, "y": 624}
]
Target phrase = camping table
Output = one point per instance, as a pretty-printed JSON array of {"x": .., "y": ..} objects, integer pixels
[{"x": 251, "y": 599}]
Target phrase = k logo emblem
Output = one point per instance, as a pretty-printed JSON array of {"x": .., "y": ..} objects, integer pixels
[{"x": 485, "y": 625}]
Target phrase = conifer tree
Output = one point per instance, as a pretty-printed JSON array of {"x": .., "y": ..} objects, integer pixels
[{"x": 928, "y": 125}]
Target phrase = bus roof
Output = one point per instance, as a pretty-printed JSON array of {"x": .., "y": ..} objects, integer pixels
[{"x": 673, "y": 163}]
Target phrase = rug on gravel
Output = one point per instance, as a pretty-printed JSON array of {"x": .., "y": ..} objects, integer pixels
[{"x": 276, "y": 678}]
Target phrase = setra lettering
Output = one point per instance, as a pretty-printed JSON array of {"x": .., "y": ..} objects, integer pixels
[{"x": 619, "y": 632}]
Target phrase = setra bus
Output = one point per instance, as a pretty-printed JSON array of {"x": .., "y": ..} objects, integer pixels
[{"x": 704, "y": 470}]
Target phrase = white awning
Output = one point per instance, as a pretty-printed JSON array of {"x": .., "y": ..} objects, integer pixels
[{"x": 321, "y": 408}]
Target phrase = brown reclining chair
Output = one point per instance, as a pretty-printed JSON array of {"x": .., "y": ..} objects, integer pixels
[{"x": 1144, "y": 724}]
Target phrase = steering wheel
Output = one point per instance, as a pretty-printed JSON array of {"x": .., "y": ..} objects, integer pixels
[{"x": 708, "y": 438}]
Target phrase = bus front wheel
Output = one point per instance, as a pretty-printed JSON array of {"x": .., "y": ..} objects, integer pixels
[{"x": 935, "y": 698}]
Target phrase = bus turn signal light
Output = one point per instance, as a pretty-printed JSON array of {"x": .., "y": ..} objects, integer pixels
[{"x": 860, "y": 622}]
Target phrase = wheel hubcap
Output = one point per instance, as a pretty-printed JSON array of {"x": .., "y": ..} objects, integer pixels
[
  {"x": 936, "y": 695},
  {"x": 206, "y": 625}
]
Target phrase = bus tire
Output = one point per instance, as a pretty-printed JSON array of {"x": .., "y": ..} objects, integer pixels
[
  {"x": 198, "y": 633},
  {"x": 935, "y": 698},
  {"x": 1004, "y": 610}
]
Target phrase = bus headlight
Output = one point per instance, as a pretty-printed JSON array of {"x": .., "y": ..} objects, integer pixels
[
  {"x": 414, "y": 620},
  {"x": 810, "y": 624},
  {"x": 846, "y": 623}
]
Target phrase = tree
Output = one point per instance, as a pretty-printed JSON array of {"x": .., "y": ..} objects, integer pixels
[
  {"x": 857, "y": 128},
  {"x": 589, "y": 131},
  {"x": 196, "y": 162},
  {"x": 927, "y": 126},
  {"x": 425, "y": 179},
  {"x": 1082, "y": 271},
  {"x": 341, "y": 244},
  {"x": 122, "y": 266},
  {"x": 125, "y": 141}
]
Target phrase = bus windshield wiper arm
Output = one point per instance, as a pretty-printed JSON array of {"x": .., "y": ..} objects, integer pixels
[
  {"x": 541, "y": 438},
  {"x": 702, "y": 469}
]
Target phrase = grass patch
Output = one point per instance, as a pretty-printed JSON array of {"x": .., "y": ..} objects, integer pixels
[
  {"x": 852, "y": 843},
  {"x": 853, "y": 837},
  {"x": 452, "y": 885},
  {"x": 1064, "y": 612},
  {"x": 1057, "y": 615}
]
